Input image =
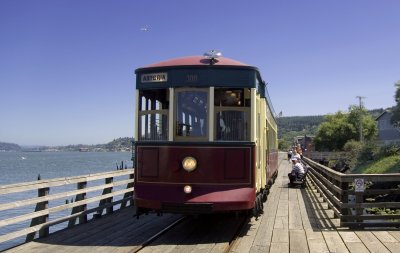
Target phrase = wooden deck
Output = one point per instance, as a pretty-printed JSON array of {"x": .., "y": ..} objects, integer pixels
[
  {"x": 297, "y": 220},
  {"x": 294, "y": 220}
]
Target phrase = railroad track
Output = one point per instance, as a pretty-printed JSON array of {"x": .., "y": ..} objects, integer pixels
[
  {"x": 157, "y": 235},
  {"x": 216, "y": 232}
]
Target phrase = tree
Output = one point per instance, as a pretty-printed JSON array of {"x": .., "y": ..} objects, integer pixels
[
  {"x": 395, "y": 120},
  {"x": 359, "y": 115},
  {"x": 334, "y": 132},
  {"x": 341, "y": 127},
  {"x": 283, "y": 144}
]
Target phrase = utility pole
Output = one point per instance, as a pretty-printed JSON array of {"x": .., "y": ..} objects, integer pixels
[{"x": 360, "y": 98}]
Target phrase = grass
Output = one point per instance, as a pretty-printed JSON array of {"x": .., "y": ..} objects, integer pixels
[{"x": 390, "y": 164}]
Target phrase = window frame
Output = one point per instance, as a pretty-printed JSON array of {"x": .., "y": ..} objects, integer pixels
[
  {"x": 205, "y": 137},
  {"x": 162, "y": 112},
  {"x": 243, "y": 108}
]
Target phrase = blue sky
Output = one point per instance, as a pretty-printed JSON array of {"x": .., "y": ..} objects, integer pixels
[{"x": 67, "y": 66}]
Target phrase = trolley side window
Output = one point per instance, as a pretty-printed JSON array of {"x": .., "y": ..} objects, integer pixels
[
  {"x": 153, "y": 115},
  {"x": 191, "y": 114},
  {"x": 232, "y": 114}
]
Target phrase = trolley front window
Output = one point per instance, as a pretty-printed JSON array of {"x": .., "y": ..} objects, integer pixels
[
  {"x": 153, "y": 115},
  {"x": 191, "y": 114}
]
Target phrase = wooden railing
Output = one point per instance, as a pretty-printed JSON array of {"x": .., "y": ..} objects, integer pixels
[
  {"x": 109, "y": 189},
  {"x": 318, "y": 156},
  {"x": 359, "y": 200}
]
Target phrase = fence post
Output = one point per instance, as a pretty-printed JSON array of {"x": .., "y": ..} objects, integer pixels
[
  {"x": 41, "y": 219},
  {"x": 81, "y": 208},
  {"x": 128, "y": 194},
  {"x": 108, "y": 190},
  {"x": 344, "y": 199},
  {"x": 359, "y": 210},
  {"x": 109, "y": 209}
]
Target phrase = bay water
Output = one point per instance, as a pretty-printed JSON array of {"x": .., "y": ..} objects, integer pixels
[{"x": 18, "y": 167}]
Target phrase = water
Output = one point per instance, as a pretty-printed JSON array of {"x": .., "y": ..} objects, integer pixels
[{"x": 18, "y": 167}]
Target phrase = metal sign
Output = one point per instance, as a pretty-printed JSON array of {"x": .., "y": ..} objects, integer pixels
[
  {"x": 154, "y": 78},
  {"x": 359, "y": 184}
]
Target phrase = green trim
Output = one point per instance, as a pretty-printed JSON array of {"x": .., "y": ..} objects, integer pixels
[{"x": 218, "y": 77}]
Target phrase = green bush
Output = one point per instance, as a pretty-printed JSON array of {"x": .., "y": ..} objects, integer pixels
[
  {"x": 353, "y": 149},
  {"x": 368, "y": 151},
  {"x": 388, "y": 150}
]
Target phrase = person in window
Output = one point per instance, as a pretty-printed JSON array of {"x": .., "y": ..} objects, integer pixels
[
  {"x": 224, "y": 129},
  {"x": 297, "y": 170}
]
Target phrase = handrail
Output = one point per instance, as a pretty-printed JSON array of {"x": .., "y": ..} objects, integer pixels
[
  {"x": 49, "y": 204},
  {"x": 354, "y": 207},
  {"x": 34, "y": 185}
]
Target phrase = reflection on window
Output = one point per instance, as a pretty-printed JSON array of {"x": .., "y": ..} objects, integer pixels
[
  {"x": 191, "y": 113},
  {"x": 232, "y": 114},
  {"x": 153, "y": 115}
]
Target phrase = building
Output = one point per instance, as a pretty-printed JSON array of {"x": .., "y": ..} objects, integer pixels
[
  {"x": 306, "y": 142},
  {"x": 387, "y": 133}
]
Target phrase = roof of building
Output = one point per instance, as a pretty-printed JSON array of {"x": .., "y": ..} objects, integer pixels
[{"x": 383, "y": 113}]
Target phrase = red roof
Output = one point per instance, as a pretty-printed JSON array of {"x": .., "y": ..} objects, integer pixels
[{"x": 196, "y": 60}]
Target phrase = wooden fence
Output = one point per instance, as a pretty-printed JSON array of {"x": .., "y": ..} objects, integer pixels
[
  {"x": 327, "y": 156},
  {"x": 359, "y": 200},
  {"x": 110, "y": 189}
]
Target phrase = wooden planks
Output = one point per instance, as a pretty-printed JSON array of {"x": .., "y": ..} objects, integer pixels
[{"x": 298, "y": 220}]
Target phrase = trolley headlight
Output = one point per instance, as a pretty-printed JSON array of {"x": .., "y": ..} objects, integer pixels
[
  {"x": 189, "y": 163},
  {"x": 187, "y": 189}
]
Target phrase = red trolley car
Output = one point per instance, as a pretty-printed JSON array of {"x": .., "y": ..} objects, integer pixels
[{"x": 206, "y": 136}]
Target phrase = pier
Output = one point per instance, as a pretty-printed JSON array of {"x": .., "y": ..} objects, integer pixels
[{"x": 317, "y": 218}]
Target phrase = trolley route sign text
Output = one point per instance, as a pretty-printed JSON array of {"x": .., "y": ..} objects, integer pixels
[{"x": 154, "y": 78}]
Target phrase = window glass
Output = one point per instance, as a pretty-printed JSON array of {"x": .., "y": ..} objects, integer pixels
[
  {"x": 232, "y": 126},
  {"x": 153, "y": 115},
  {"x": 232, "y": 97},
  {"x": 232, "y": 114},
  {"x": 191, "y": 113}
]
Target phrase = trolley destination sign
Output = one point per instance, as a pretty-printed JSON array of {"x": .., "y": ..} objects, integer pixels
[{"x": 154, "y": 77}]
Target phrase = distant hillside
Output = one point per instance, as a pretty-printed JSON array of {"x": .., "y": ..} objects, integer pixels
[
  {"x": 9, "y": 147},
  {"x": 290, "y": 127},
  {"x": 120, "y": 144},
  {"x": 299, "y": 124}
]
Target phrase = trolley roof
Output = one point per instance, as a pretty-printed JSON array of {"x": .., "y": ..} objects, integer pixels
[{"x": 197, "y": 61}]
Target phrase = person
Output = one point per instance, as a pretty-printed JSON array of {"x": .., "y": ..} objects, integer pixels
[
  {"x": 299, "y": 150},
  {"x": 297, "y": 169},
  {"x": 289, "y": 154}
]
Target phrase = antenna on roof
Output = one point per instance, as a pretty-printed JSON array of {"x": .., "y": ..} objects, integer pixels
[{"x": 213, "y": 55}]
